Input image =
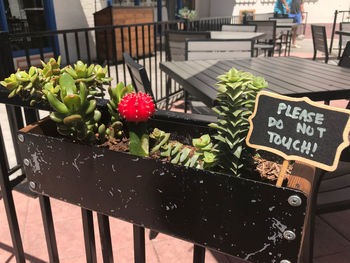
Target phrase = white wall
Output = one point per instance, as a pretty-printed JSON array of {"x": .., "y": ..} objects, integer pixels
[
  {"x": 71, "y": 14},
  {"x": 319, "y": 11},
  {"x": 221, "y": 8}
]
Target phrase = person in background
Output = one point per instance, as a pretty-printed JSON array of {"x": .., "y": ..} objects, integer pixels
[{"x": 293, "y": 9}]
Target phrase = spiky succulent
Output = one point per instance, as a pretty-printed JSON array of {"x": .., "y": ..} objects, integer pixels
[
  {"x": 75, "y": 113},
  {"x": 94, "y": 76},
  {"x": 236, "y": 100},
  {"x": 203, "y": 156}
]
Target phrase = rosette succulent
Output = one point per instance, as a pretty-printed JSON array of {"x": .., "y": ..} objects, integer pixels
[{"x": 136, "y": 109}]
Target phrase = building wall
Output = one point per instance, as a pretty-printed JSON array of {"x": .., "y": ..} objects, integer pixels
[{"x": 319, "y": 11}]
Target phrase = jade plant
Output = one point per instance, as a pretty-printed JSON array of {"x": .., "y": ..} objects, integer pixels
[
  {"x": 236, "y": 99},
  {"x": 136, "y": 109},
  {"x": 33, "y": 85},
  {"x": 75, "y": 113}
]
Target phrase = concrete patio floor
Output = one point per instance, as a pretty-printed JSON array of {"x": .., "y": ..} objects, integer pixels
[{"x": 332, "y": 237}]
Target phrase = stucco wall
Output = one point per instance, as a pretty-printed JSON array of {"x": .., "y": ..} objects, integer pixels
[
  {"x": 77, "y": 14},
  {"x": 319, "y": 11}
]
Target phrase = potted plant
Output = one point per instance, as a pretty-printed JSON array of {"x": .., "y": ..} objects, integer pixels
[{"x": 191, "y": 181}]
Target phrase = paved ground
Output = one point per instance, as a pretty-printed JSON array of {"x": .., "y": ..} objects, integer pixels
[{"x": 332, "y": 232}]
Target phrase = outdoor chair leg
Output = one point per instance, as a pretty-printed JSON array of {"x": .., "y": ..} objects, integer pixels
[
  {"x": 89, "y": 235},
  {"x": 198, "y": 254},
  {"x": 50, "y": 236},
  {"x": 11, "y": 211},
  {"x": 105, "y": 237},
  {"x": 139, "y": 244},
  {"x": 167, "y": 91},
  {"x": 186, "y": 101}
]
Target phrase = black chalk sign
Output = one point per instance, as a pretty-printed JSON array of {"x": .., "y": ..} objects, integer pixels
[{"x": 299, "y": 129}]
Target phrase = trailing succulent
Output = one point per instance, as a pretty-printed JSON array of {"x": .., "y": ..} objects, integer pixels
[
  {"x": 236, "y": 100},
  {"x": 202, "y": 155}
]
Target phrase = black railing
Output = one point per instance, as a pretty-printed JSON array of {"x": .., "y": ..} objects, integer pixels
[
  {"x": 105, "y": 45},
  {"x": 344, "y": 16}
]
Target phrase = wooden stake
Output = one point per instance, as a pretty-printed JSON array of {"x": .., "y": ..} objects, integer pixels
[{"x": 282, "y": 173}]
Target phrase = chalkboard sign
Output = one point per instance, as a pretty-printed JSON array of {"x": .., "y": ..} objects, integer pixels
[{"x": 299, "y": 129}]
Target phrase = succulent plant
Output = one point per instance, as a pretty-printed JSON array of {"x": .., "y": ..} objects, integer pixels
[
  {"x": 236, "y": 100},
  {"x": 136, "y": 109},
  {"x": 93, "y": 76},
  {"x": 75, "y": 113},
  {"x": 203, "y": 157}
]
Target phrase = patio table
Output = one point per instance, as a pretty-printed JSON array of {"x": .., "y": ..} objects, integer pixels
[
  {"x": 289, "y": 76},
  {"x": 236, "y": 35}
]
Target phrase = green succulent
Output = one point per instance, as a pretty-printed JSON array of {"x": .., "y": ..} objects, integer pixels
[
  {"x": 203, "y": 158},
  {"x": 236, "y": 100},
  {"x": 75, "y": 113},
  {"x": 93, "y": 76}
]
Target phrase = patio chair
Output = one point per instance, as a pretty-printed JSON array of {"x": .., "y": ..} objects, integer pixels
[
  {"x": 264, "y": 16},
  {"x": 333, "y": 195},
  {"x": 218, "y": 49},
  {"x": 215, "y": 49},
  {"x": 238, "y": 28},
  {"x": 319, "y": 38},
  {"x": 345, "y": 59},
  {"x": 175, "y": 43},
  {"x": 138, "y": 76},
  {"x": 343, "y": 40},
  {"x": 268, "y": 42}
]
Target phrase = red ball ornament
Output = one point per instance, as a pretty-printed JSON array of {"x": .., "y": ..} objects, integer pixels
[{"x": 136, "y": 107}]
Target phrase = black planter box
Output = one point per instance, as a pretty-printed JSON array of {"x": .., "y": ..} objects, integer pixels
[{"x": 243, "y": 218}]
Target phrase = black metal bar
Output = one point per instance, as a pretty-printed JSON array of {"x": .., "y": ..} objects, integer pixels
[
  {"x": 137, "y": 43},
  {"x": 115, "y": 58},
  {"x": 41, "y": 51},
  {"x": 77, "y": 44},
  {"x": 130, "y": 46},
  {"x": 143, "y": 45},
  {"x": 105, "y": 237},
  {"x": 123, "y": 50},
  {"x": 139, "y": 244},
  {"x": 161, "y": 59},
  {"x": 31, "y": 115},
  {"x": 26, "y": 50},
  {"x": 50, "y": 236},
  {"x": 107, "y": 52},
  {"x": 66, "y": 48},
  {"x": 2, "y": 147},
  {"x": 333, "y": 30},
  {"x": 15, "y": 121},
  {"x": 54, "y": 46},
  {"x": 89, "y": 235},
  {"x": 155, "y": 59},
  {"x": 149, "y": 56},
  {"x": 10, "y": 210},
  {"x": 198, "y": 254},
  {"x": 88, "y": 46}
]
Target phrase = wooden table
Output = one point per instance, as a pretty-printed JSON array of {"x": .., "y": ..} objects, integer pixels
[
  {"x": 289, "y": 76},
  {"x": 235, "y": 35}
]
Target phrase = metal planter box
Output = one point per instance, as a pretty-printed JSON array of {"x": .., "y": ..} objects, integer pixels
[{"x": 243, "y": 218}]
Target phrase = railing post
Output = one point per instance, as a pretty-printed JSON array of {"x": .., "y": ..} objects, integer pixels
[
  {"x": 6, "y": 68},
  {"x": 333, "y": 29}
]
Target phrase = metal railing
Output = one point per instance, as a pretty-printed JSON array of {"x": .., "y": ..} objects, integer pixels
[
  {"x": 345, "y": 17},
  {"x": 105, "y": 45}
]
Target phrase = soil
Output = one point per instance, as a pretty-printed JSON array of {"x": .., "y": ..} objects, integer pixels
[{"x": 268, "y": 165}]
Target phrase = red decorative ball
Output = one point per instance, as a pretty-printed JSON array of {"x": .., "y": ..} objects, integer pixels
[{"x": 136, "y": 107}]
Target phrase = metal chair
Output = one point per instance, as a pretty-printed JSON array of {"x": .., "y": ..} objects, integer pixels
[
  {"x": 319, "y": 39},
  {"x": 343, "y": 40},
  {"x": 268, "y": 41},
  {"x": 175, "y": 43},
  {"x": 138, "y": 76},
  {"x": 333, "y": 195},
  {"x": 345, "y": 58},
  {"x": 215, "y": 49},
  {"x": 219, "y": 49},
  {"x": 238, "y": 28}
]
